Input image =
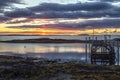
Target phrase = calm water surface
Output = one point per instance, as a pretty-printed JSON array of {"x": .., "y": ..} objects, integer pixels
[
  {"x": 52, "y": 51},
  {"x": 49, "y": 50}
]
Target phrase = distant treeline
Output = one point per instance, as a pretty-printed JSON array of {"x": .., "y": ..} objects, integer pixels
[{"x": 47, "y": 40}]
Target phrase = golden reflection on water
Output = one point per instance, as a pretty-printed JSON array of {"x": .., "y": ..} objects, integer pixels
[
  {"x": 41, "y": 48},
  {"x": 58, "y": 49}
]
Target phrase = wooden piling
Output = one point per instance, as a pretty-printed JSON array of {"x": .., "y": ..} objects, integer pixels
[{"x": 86, "y": 50}]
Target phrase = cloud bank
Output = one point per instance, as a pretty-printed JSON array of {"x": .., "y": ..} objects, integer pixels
[{"x": 88, "y": 10}]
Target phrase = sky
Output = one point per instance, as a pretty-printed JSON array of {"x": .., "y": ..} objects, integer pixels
[{"x": 59, "y": 17}]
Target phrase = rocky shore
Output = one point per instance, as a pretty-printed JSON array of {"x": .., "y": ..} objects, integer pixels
[{"x": 20, "y": 68}]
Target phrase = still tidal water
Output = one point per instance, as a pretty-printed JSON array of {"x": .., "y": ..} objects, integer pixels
[
  {"x": 51, "y": 51},
  {"x": 45, "y": 50}
]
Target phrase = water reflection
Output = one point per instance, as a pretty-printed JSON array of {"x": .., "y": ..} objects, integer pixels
[
  {"x": 51, "y": 51},
  {"x": 41, "y": 48}
]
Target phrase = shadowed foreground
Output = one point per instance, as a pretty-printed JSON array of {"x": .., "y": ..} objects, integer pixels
[{"x": 18, "y": 68}]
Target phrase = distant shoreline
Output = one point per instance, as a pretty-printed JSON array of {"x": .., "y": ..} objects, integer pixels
[{"x": 46, "y": 40}]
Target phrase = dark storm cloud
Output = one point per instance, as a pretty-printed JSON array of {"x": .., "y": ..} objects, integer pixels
[
  {"x": 6, "y": 3},
  {"x": 19, "y": 13},
  {"x": 105, "y": 23},
  {"x": 78, "y": 10},
  {"x": 91, "y": 6},
  {"x": 115, "y": 12},
  {"x": 78, "y": 14},
  {"x": 4, "y": 18}
]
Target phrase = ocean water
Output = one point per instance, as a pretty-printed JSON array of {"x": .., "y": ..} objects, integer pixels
[
  {"x": 49, "y": 50},
  {"x": 46, "y": 50}
]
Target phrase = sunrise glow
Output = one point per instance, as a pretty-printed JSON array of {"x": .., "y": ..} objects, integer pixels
[{"x": 43, "y": 19}]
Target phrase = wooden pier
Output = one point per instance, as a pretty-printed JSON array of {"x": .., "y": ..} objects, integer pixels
[{"x": 102, "y": 53}]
